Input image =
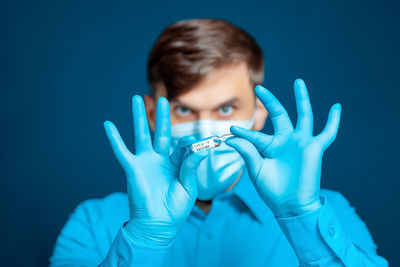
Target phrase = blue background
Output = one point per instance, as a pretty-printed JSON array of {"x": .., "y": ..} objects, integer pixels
[{"x": 69, "y": 66}]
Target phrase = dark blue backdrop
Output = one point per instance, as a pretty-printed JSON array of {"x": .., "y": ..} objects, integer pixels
[{"x": 67, "y": 67}]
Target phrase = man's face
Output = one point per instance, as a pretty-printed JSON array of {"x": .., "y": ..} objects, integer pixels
[{"x": 224, "y": 94}]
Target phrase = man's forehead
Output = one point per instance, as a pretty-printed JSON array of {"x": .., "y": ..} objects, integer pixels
[
  {"x": 221, "y": 86},
  {"x": 207, "y": 103}
]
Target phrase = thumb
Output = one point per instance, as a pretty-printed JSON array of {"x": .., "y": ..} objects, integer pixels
[
  {"x": 179, "y": 153},
  {"x": 249, "y": 153},
  {"x": 188, "y": 172}
]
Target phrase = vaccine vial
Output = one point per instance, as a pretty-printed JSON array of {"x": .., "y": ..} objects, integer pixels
[{"x": 208, "y": 143}]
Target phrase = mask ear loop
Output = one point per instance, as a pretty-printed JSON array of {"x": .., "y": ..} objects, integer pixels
[{"x": 253, "y": 119}]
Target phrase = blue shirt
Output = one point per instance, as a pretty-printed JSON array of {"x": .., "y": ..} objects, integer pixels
[{"x": 239, "y": 230}]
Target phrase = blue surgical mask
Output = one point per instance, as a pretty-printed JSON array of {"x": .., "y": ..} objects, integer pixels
[{"x": 223, "y": 165}]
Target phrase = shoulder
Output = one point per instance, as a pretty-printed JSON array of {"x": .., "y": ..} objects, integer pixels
[
  {"x": 105, "y": 202},
  {"x": 114, "y": 205},
  {"x": 91, "y": 228}
]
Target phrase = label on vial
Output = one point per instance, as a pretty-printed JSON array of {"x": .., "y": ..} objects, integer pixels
[{"x": 202, "y": 145}]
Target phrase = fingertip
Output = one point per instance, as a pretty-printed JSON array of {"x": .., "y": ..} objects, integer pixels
[
  {"x": 234, "y": 129},
  {"x": 237, "y": 129},
  {"x": 162, "y": 107},
  {"x": 108, "y": 125},
  {"x": 137, "y": 99},
  {"x": 300, "y": 82},
  {"x": 300, "y": 90},
  {"x": 337, "y": 106},
  {"x": 162, "y": 100},
  {"x": 228, "y": 142},
  {"x": 259, "y": 88},
  {"x": 233, "y": 142},
  {"x": 186, "y": 140},
  {"x": 336, "y": 110},
  {"x": 190, "y": 138}
]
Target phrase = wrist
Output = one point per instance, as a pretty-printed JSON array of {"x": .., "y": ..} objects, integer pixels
[
  {"x": 149, "y": 237},
  {"x": 297, "y": 209}
]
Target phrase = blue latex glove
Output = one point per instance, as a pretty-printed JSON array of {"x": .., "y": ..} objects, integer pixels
[
  {"x": 286, "y": 167},
  {"x": 162, "y": 189}
]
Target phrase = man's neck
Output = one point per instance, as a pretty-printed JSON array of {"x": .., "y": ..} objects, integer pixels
[{"x": 205, "y": 206}]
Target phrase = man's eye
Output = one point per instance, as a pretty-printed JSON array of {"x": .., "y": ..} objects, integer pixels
[
  {"x": 183, "y": 111},
  {"x": 226, "y": 110}
]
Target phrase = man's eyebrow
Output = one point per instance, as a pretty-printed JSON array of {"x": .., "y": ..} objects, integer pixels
[{"x": 225, "y": 103}]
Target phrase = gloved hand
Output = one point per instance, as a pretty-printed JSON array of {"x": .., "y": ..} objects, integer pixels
[
  {"x": 162, "y": 189},
  {"x": 286, "y": 167}
]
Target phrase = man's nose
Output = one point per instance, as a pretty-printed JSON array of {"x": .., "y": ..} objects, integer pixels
[{"x": 205, "y": 115}]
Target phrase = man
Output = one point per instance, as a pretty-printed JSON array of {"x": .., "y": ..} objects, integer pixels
[{"x": 252, "y": 200}]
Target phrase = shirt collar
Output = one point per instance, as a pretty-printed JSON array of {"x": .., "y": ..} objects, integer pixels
[{"x": 245, "y": 191}]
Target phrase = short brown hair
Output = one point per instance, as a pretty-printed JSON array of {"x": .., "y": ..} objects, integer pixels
[{"x": 188, "y": 50}]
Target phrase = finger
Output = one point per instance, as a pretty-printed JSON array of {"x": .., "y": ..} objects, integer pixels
[
  {"x": 188, "y": 172},
  {"x": 249, "y": 153},
  {"x": 178, "y": 154},
  {"x": 118, "y": 146},
  {"x": 260, "y": 140},
  {"x": 304, "y": 111},
  {"x": 279, "y": 117},
  {"x": 328, "y": 134},
  {"x": 162, "y": 134},
  {"x": 140, "y": 125}
]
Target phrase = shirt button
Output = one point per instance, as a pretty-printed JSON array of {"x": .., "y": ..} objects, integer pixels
[
  {"x": 331, "y": 230},
  {"x": 209, "y": 235}
]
